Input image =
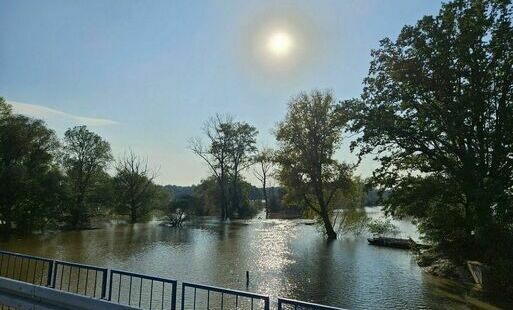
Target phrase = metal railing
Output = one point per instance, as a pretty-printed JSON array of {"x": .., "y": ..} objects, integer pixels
[
  {"x": 143, "y": 291},
  {"x": 212, "y": 297},
  {"x": 81, "y": 279},
  {"x": 134, "y": 289},
  {"x": 26, "y": 268},
  {"x": 285, "y": 304}
]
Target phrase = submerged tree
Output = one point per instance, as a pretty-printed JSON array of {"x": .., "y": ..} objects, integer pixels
[
  {"x": 241, "y": 149},
  {"x": 437, "y": 109},
  {"x": 85, "y": 155},
  {"x": 134, "y": 186},
  {"x": 216, "y": 154},
  {"x": 308, "y": 139},
  {"x": 180, "y": 209},
  {"x": 263, "y": 170},
  {"x": 228, "y": 151}
]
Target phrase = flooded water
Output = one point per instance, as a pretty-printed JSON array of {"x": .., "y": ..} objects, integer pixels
[{"x": 285, "y": 258}]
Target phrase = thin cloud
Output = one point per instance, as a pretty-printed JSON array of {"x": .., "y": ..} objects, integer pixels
[{"x": 38, "y": 111}]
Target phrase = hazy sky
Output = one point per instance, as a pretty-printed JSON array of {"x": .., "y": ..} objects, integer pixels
[{"x": 147, "y": 74}]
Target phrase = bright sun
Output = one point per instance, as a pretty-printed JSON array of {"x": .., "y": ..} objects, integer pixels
[{"x": 279, "y": 43}]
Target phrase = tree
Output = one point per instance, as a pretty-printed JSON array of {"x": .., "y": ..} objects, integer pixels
[
  {"x": 308, "y": 139},
  {"x": 382, "y": 227},
  {"x": 180, "y": 209},
  {"x": 218, "y": 130},
  {"x": 5, "y": 109},
  {"x": 228, "y": 152},
  {"x": 29, "y": 179},
  {"x": 85, "y": 155},
  {"x": 265, "y": 164},
  {"x": 241, "y": 150},
  {"x": 134, "y": 186},
  {"x": 437, "y": 111}
]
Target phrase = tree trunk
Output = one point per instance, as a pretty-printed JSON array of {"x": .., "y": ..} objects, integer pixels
[
  {"x": 264, "y": 187},
  {"x": 330, "y": 232},
  {"x": 8, "y": 220},
  {"x": 133, "y": 215},
  {"x": 75, "y": 213},
  {"x": 235, "y": 195},
  {"x": 224, "y": 209}
]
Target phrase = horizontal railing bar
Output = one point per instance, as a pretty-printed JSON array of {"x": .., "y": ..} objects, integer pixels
[
  {"x": 59, "y": 262},
  {"x": 225, "y": 290},
  {"x": 26, "y": 256},
  {"x": 306, "y": 304},
  {"x": 144, "y": 276}
]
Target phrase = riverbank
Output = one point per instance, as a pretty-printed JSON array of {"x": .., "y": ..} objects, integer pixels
[{"x": 435, "y": 264}]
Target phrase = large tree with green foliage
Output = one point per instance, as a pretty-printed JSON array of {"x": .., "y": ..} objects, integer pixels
[
  {"x": 30, "y": 191},
  {"x": 85, "y": 156},
  {"x": 437, "y": 112},
  {"x": 308, "y": 138}
]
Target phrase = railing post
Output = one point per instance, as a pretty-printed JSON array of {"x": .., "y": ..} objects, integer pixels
[
  {"x": 54, "y": 277},
  {"x": 279, "y": 304},
  {"x": 173, "y": 296},
  {"x": 183, "y": 296},
  {"x": 110, "y": 284},
  {"x": 104, "y": 284},
  {"x": 50, "y": 274}
]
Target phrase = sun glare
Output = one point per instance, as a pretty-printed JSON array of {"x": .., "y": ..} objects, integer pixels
[{"x": 279, "y": 43}]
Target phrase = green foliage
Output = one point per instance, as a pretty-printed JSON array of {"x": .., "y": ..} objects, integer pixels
[
  {"x": 180, "y": 209},
  {"x": 437, "y": 112},
  {"x": 353, "y": 220},
  {"x": 308, "y": 139},
  {"x": 30, "y": 195},
  {"x": 85, "y": 156},
  {"x": 229, "y": 151},
  {"x": 382, "y": 227},
  {"x": 5, "y": 109}
]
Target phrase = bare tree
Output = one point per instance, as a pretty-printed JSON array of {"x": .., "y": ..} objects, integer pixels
[
  {"x": 262, "y": 171},
  {"x": 134, "y": 184}
]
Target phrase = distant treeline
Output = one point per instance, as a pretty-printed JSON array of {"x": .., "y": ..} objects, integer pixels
[{"x": 371, "y": 197}]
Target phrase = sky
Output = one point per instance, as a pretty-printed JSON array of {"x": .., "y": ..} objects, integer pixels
[{"x": 146, "y": 75}]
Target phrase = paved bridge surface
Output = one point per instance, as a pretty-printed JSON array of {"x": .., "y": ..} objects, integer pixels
[{"x": 20, "y": 295}]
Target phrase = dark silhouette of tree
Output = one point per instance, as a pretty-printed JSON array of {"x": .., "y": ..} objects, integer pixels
[
  {"x": 134, "y": 186},
  {"x": 216, "y": 154},
  {"x": 30, "y": 191},
  {"x": 85, "y": 154},
  {"x": 308, "y": 138},
  {"x": 228, "y": 152},
  {"x": 241, "y": 149},
  {"x": 263, "y": 170},
  {"x": 437, "y": 112}
]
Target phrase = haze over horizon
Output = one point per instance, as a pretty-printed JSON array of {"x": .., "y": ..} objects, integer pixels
[{"x": 146, "y": 76}]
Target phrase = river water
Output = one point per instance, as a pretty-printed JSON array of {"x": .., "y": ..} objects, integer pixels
[{"x": 285, "y": 258}]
